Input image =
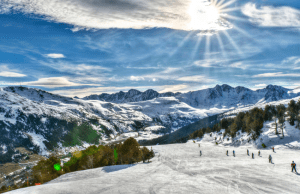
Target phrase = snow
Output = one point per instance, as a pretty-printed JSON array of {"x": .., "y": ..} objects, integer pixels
[
  {"x": 4, "y": 149},
  {"x": 43, "y": 120},
  {"x": 178, "y": 168},
  {"x": 38, "y": 139},
  {"x": 153, "y": 128}
]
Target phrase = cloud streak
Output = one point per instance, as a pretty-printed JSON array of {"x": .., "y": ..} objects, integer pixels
[
  {"x": 104, "y": 14},
  {"x": 278, "y": 74},
  {"x": 7, "y": 72},
  {"x": 53, "y": 82},
  {"x": 268, "y": 16},
  {"x": 55, "y": 56},
  {"x": 11, "y": 74}
]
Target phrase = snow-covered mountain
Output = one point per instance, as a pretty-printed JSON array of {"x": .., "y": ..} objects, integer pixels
[
  {"x": 37, "y": 119},
  {"x": 130, "y": 96},
  {"x": 217, "y": 97}
]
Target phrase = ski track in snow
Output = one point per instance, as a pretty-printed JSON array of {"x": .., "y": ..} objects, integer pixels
[{"x": 178, "y": 168}]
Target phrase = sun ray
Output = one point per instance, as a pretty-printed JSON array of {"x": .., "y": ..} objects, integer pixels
[
  {"x": 226, "y": 4},
  {"x": 207, "y": 48},
  {"x": 181, "y": 43},
  {"x": 243, "y": 32},
  {"x": 221, "y": 45},
  {"x": 196, "y": 47},
  {"x": 233, "y": 43},
  {"x": 214, "y": 2},
  {"x": 229, "y": 10},
  {"x": 220, "y": 3},
  {"x": 233, "y": 17}
]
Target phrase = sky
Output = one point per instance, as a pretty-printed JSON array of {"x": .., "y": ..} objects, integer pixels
[{"x": 84, "y": 47}]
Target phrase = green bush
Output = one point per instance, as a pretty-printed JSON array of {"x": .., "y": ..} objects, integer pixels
[{"x": 263, "y": 145}]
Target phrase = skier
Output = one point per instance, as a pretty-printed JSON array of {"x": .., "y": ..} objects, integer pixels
[
  {"x": 259, "y": 153},
  {"x": 270, "y": 159},
  {"x": 233, "y": 153},
  {"x": 252, "y": 155},
  {"x": 247, "y": 152},
  {"x": 273, "y": 149},
  {"x": 200, "y": 153},
  {"x": 293, "y": 165},
  {"x": 227, "y": 153}
]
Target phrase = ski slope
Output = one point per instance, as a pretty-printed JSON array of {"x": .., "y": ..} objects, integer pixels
[{"x": 178, "y": 168}]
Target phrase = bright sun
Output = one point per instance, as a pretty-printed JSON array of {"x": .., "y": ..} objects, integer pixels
[{"x": 203, "y": 16}]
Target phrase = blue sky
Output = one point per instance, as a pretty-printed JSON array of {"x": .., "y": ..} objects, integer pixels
[{"x": 83, "y": 47}]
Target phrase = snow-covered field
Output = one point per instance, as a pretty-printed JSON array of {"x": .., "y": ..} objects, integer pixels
[{"x": 178, "y": 168}]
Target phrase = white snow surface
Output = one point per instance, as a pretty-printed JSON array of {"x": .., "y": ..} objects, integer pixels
[
  {"x": 154, "y": 128},
  {"x": 38, "y": 139},
  {"x": 178, "y": 168}
]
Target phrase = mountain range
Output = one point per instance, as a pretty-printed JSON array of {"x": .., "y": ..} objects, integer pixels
[
  {"x": 218, "y": 96},
  {"x": 38, "y": 120}
]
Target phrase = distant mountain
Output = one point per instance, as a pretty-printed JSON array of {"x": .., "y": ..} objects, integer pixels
[
  {"x": 130, "y": 96},
  {"x": 227, "y": 96},
  {"x": 217, "y": 97}
]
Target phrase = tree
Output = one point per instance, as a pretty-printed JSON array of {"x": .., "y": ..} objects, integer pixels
[
  {"x": 233, "y": 129},
  {"x": 145, "y": 152},
  {"x": 268, "y": 113},
  {"x": 292, "y": 112},
  {"x": 281, "y": 122}
]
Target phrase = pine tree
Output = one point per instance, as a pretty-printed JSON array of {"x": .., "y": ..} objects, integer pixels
[
  {"x": 292, "y": 112},
  {"x": 233, "y": 129},
  {"x": 281, "y": 122}
]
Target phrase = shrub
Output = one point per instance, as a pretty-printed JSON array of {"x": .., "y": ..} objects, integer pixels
[{"x": 263, "y": 145}]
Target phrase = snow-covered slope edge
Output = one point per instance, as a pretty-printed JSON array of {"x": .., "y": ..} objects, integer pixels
[{"x": 291, "y": 138}]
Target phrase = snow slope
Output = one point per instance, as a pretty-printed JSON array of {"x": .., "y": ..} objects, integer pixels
[{"x": 178, "y": 168}]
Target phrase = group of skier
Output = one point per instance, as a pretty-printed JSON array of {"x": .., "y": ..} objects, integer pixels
[{"x": 293, "y": 165}]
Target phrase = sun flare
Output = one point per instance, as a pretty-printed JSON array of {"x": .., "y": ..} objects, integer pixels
[{"x": 203, "y": 16}]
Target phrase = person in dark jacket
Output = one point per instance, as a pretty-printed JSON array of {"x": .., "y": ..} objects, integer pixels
[
  {"x": 227, "y": 153},
  {"x": 293, "y": 165},
  {"x": 252, "y": 155},
  {"x": 270, "y": 159},
  {"x": 259, "y": 153},
  {"x": 200, "y": 153},
  {"x": 233, "y": 152},
  {"x": 273, "y": 149},
  {"x": 247, "y": 152}
]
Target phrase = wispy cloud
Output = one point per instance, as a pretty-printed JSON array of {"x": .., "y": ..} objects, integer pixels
[
  {"x": 239, "y": 65},
  {"x": 55, "y": 56},
  {"x": 103, "y": 14},
  {"x": 278, "y": 74},
  {"x": 5, "y": 71},
  {"x": 52, "y": 82},
  {"x": 136, "y": 78},
  {"x": 195, "y": 78},
  {"x": 268, "y": 16},
  {"x": 11, "y": 74},
  {"x": 81, "y": 72}
]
